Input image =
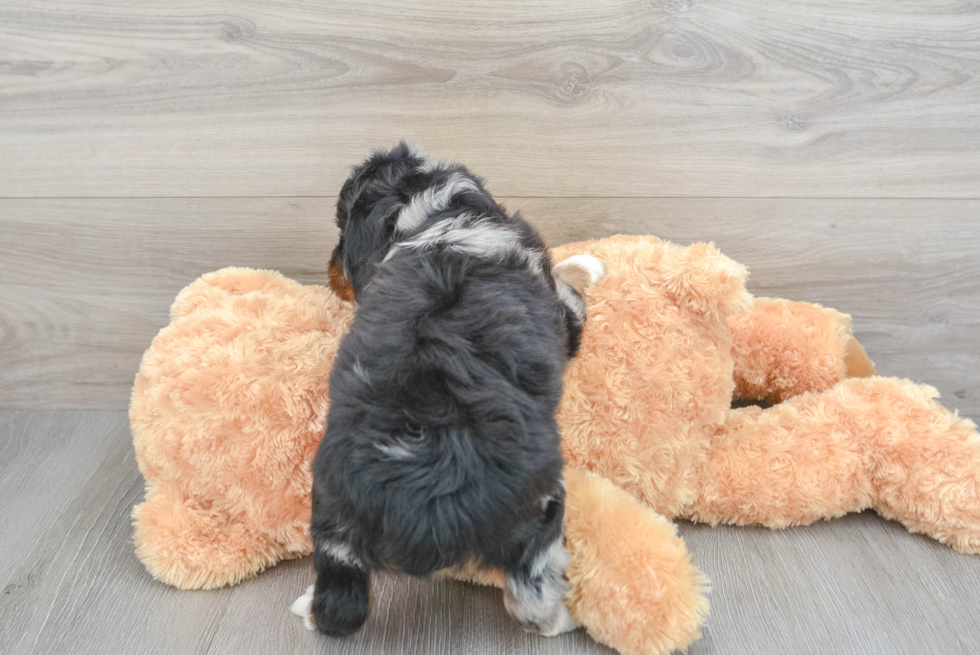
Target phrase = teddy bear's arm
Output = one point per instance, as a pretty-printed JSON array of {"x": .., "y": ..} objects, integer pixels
[
  {"x": 782, "y": 349},
  {"x": 880, "y": 443}
]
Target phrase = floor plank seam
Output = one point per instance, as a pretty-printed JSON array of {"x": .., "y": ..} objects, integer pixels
[{"x": 519, "y": 197}]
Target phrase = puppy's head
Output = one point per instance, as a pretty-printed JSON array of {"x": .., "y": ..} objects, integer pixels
[{"x": 367, "y": 214}]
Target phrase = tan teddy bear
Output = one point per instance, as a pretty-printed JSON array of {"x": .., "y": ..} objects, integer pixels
[{"x": 230, "y": 400}]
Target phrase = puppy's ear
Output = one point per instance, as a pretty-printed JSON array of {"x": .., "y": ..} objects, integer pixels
[{"x": 338, "y": 281}]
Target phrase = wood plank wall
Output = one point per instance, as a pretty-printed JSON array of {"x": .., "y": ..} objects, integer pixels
[{"x": 833, "y": 147}]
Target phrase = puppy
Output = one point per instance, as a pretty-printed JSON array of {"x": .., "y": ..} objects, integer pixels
[{"x": 441, "y": 443}]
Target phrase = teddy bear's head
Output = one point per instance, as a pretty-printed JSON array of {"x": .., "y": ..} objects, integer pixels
[
  {"x": 227, "y": 411},
  {"x": 653, "y": 379}
]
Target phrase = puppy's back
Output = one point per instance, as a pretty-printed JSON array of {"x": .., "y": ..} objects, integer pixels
[{"x": 441, "y": 435}]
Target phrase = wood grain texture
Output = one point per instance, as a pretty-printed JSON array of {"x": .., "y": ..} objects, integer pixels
[
  {"x": 159, "y": 141},
  {"x": 555, "y": 98},
  {"x": 71, "y": 583},
  {"x": 853, "y": 585},
  {"x": 86, "y": 284}
]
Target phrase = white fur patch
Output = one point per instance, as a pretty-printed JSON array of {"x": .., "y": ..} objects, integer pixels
[
  {"x": 482, "y": 240},
  {"x": 303, "y": 608},
  {"x": 432, "y": 201},
  {"x": 469, "y": 235},
  {"x": 554, "y": 558},
  {"x": 541, "y": 601},
  {"x": 341, "y": 552},
  {"x": 360, "y": 373},
  {"x": 563, "y": 623},
  {"x": 592, "y": 265},
  {"x": 397, "y": 450}
]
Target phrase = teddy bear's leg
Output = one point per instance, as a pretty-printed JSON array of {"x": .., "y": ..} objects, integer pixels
[
  {"x": 924, "y": 461},
  {"x": 631, "y": 580},
  {"x": 878, "y": 443},
  {"x": 193, "y": 545},
  {"x": 791, "y": 464},
  {"x": 782, "y": 349}
]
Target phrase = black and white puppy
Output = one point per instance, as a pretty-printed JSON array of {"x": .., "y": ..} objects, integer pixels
[{"x": 442, "y": 445}]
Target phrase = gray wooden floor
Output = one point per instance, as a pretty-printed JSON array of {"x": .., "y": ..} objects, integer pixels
[
  {"x": 833, "y": 146},
  {"x": 72, "y": 585}
]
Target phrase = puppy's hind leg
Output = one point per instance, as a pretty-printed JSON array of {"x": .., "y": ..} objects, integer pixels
[
  {"x": 339, "y": 602},
  {"x": 535, "y": 588}
]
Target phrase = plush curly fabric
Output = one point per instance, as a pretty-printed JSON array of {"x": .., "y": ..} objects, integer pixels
[
  {"x": 230, "y": 400},
  {"x": 226, "y": 414},
  {"x": 783, "y": 349},
  {"x": 631, "y": 583},
  {"x": 227, "y": 411},
  {"x": 653, "y": 380},
  {"x": 867, "y": 443}
]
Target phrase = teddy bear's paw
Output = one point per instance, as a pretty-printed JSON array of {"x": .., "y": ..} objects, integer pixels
[
  {"x": 580, "y": 271},
  {"x": 302, "y": 607}
]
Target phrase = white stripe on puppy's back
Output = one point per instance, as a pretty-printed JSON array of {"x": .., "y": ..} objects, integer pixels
[
  {"x": 482, "y": 240},
  {"x": 432, "y": 201},
  {"x": 470, "y": 235}
]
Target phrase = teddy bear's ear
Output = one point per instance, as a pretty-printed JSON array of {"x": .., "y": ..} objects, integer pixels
[{"x": 703, "y": 280}]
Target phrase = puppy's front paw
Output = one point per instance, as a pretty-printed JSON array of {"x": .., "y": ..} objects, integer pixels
[{"x": 303, "y": 608}]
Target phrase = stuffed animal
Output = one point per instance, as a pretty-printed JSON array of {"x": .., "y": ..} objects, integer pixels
[{"x": 230, "y": 400}]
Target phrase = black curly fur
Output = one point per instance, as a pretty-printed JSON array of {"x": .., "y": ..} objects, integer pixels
[{"x": 442, "y": 444}]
